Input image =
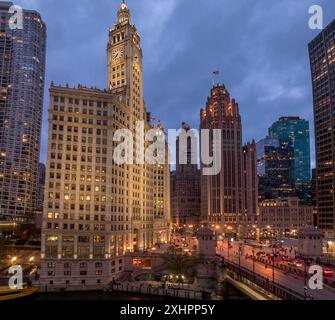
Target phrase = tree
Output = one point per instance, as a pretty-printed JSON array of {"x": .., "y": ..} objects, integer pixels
[
  {"x": 3, "y": 250},
  {"x": 178, "y": 263}
]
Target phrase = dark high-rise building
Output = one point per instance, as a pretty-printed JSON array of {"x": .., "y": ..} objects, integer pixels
[
  {"x": 261, "y": 153},
  {"x": 250, "y": 179},
  {"x": 40, "y": 186},
  {"x": 185, "y": 181},
  {"x": 223, "y": 200},
  {"x": 275, "y": 169},
  {"x": 322, "y": 59},
  {"x": 22, "y": 68},
  {"x": 313, "y": 201}
]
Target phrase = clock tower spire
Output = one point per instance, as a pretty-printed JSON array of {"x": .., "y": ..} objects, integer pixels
[
  {"x": 124, "y": 13},
  {"x": 125, "y": 62}
]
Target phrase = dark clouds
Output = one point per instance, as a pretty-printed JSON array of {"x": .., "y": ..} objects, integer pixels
[{"x": 260, "y": 46}]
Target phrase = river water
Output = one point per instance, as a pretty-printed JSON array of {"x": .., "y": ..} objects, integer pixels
[{"x": 229, "y": 293}]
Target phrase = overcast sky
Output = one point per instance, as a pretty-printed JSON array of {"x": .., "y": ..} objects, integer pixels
[{"x": 260, "y": 47}]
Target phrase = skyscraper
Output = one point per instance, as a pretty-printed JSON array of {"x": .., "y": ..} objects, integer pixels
[
  {"x": 22, "y": 69},
  {"x": 40, "y": 186},
  {"x": 185, "y": 180},
  {"x": 162, "y": 206},
  {"x": 261, "y": 153},
  {"x": 223, "y": 199},
  {"x": 250, "y": 181},
  {"x": 295, "y": 131},
  {"x": 275, "y": 169},
  {"x": 96, "y": 209},
  {"x": 322, "y": 59}
]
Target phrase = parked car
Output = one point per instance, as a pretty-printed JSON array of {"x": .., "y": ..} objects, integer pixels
[{"x": 328, "y": 272}]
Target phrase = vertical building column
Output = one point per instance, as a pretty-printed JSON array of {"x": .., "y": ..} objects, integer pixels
[
  {"x": 75, "y": 249},
  {"x": 91, "y": 247},
  {"x": 60, "y": 243}
]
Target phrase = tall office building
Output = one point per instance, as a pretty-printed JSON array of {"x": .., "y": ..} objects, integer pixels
[
  {"x": 22, "y": 69},
  {"x": 275, "y": 169},
  {"x": 96, "y": 209},
  {"x": 40, "y": 186},
  {"x": 162, "y": 206},
  {"x": 322, "y": 59},
  {"x": 262, "y": 154},
  {"x": 185, "y": 180},
  {"x": 250, "y": 181},
  {"x": 223, "y": 199},
  {"x": 295, "y": 131}
]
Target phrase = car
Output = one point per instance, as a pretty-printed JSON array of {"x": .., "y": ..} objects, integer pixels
[
  {"x": 295, "y": 264},
  {"x": 328, "y": 272}
]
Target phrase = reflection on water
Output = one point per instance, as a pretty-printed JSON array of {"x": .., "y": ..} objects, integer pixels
[
  {"x": 92, "y": 295},
  {"x": 229, "y": 292}
]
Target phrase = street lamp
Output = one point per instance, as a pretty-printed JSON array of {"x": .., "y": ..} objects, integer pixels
[
  {"x": 239, "y": 259},
  {"x": 305, "y": 279},
  {"x": 13, "y": 260},
  {"x": 228, "y": 250},
  {"x": 253, "y": 263},
  {"x": 273, "y": 265}
]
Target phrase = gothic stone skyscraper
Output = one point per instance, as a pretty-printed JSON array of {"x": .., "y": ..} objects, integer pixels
[
  {"x": 322, "y": 59},
  {"x": 223, "y": 199},
  {"x": 22, "y": 68},
  {"x": 96, "y": 210}
]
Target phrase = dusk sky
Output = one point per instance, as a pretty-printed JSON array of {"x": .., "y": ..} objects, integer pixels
[{"x": 260, "y": 47}]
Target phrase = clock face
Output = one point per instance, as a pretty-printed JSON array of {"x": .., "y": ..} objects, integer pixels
[{"x": 118, "y": 54}]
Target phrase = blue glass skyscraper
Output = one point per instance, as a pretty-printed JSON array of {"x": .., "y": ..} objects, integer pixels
[{"x": 295, "y": 131}]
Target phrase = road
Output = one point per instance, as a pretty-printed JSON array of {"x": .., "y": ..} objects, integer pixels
[{"x": 287, "y": 280}]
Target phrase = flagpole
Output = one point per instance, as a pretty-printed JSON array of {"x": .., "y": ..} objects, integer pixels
[{"x": 215, "y": 74}]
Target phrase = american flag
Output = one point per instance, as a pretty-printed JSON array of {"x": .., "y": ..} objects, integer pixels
[{"x": 185, "y": 126}]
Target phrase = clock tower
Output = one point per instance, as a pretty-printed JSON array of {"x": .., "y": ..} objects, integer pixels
[{"x": 125, "y": 62}]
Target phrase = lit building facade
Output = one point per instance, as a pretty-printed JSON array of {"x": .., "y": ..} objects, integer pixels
[
  {"x": 185, "y": 181},
  {"x": 162, "y": 206},
  {"x": 322, "y": 59},
  {"x": 22, "y": 69},
  {"x": 279, "y": 218},
  {"x": 223, "y": 196},
  {"x": 97, "y": 210}
]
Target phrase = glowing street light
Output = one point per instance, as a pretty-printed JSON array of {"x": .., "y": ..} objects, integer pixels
[{"x": 13, "y": 259}]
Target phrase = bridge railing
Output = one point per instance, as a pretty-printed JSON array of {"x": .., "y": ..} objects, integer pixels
[{"x": 274, "y": 288}]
